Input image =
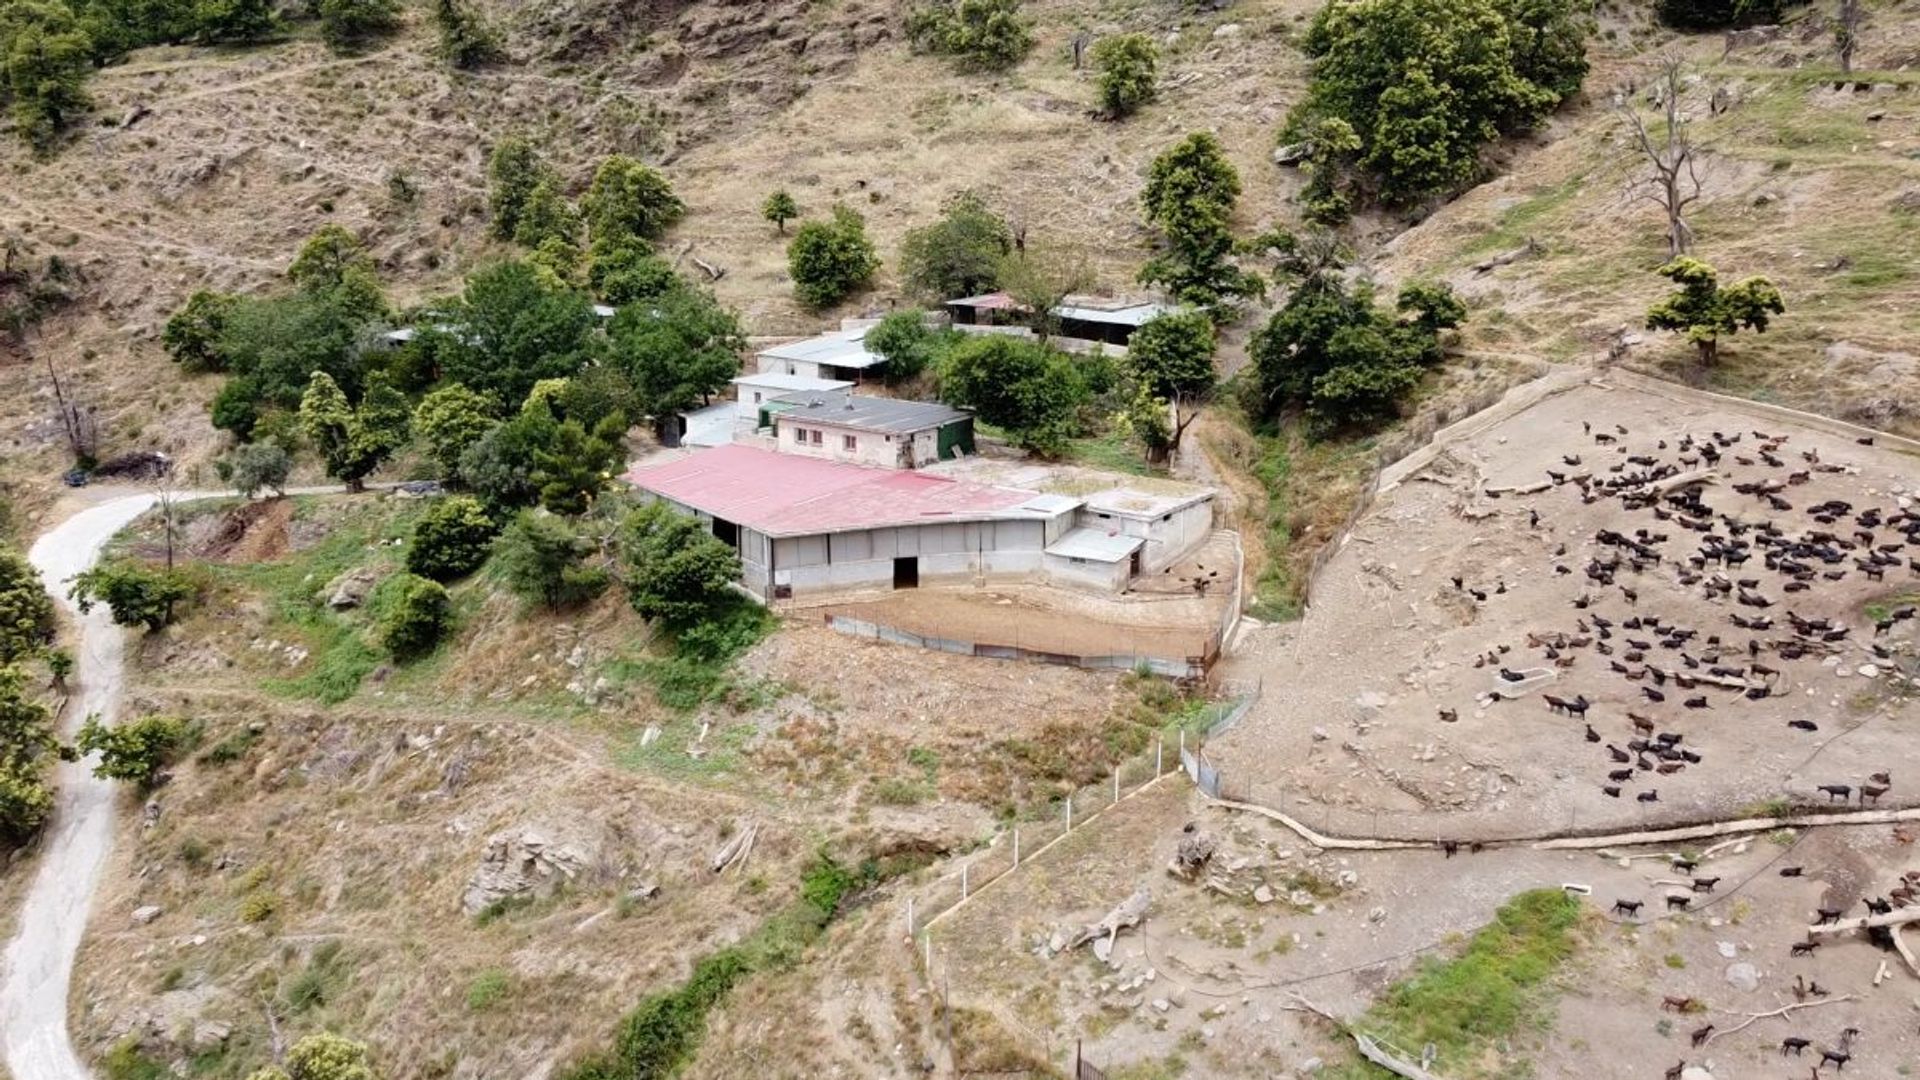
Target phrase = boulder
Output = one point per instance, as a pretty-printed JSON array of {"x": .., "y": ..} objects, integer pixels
[
  {"x": 146, "y": 913},
  {"x": 1743, "y": 977},
  {"x": 523, "y": 863},
  {"x": 351, "y": 589}
]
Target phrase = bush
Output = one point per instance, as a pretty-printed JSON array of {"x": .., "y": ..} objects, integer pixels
[
  {"x": 451, "y": 539},
  {"x": 780, "y": 209},
  {"x": 417, "y": 614},
  {"x": 1719, "y": 14},
  {"x": 346, "y": 25},
  {"x": 908, "y": 343},
  {"x": 450, "y": 420},
  {"x": 135, "y": 751},
  {"x": 677, "y": 571},
  {"x": 543, "y": 557},
  {"x": 487, "y": 989},
  {"x": 192, "y": 336},
  {"x": 982, "y": 35},
  {"x": 514, "y": 169},
  {"x": 1128, "y": 66},
  {"x": 254, "y": 467},
  {"x": 828, "y": 260},
  {"x": 959, "y": 255},
  {"x": 466, "y": 41},
  {"x": 138, "y": 596},
  {"x": 629, "y": 199}
]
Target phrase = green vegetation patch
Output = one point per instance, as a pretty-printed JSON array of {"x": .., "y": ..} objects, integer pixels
[{"x": 1468, "y": 1006}]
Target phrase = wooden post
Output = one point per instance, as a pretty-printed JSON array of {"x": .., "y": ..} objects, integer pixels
[
  {"x": 1016, "y": 845},
  {"x": 909, "y": 918},
  {"x": 963, "y": 881},
  {"x": 1116, "y": 783}
]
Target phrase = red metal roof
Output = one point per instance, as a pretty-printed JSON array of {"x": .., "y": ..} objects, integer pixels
[{"x": 790, "y": 495}]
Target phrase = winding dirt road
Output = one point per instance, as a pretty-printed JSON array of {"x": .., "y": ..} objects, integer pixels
[{"x": 38, "y": 966}]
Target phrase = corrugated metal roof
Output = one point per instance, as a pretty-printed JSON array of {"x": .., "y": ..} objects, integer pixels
[
  {"x": 842, "y": 348},
  {"x": 1132, "y": 315},
  {"x": 1094, "y": 544},
  {"x": 786, "y": 384},
  {"x": 992, "y": 301},
  {"x": 789, "y": 495},
  {"x": 864, "y": 412}
]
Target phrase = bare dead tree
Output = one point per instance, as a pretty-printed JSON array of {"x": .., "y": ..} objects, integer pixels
[
  {"x": 1846, "y": 33},
  {"x": 82, "y": 428},
  {"x": 1669, "y": 149}
]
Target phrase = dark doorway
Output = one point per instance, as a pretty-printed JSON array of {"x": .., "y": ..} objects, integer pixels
[
  {"x": 726, "y": 532},
  {"x": 1133, "y": 565},
  {"x": 906, "y": 572}
]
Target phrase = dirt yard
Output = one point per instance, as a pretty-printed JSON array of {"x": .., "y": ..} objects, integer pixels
[
  {"x": 1390, "y": 697},
  {"x": 1211, "y": 976}
]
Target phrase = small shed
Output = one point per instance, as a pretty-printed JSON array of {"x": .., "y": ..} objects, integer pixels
[
  {"x": 755, "y": 390},
  {"x": 840, "y": 425},
  {"x": 840, "y": 355}
]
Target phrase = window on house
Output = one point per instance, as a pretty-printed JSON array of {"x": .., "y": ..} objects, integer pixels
[
  {"x": 814, "y": 437},
  {"x": 849, "y": 443},
  {"x": 799, "y": 435}
]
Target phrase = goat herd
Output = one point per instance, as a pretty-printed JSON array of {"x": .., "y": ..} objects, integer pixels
[{"x": 1707, "y": 667}]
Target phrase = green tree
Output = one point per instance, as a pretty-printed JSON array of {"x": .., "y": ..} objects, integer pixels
[
  {"x": 1170, "y": 358},
  {"x": 466, "y": 41},
  {"x": 451, "y": 539},
  {"x": 1702, "y": 310},
  {"x": 1419, "y": 86},
  {"x": 676, "y": 350},
  {"x": 576, "y": 466},
  {"x": 627, "y": 199},
  {"x": 333, "y": 265},
  {"x": 1039, "y": 281},
  {"x": 780, "y": 209},
  {"x": 415, "y": 615},
  {"x": 547, "y": 215},
  {"x": 192, "y": 336},
  {"x": 596, "y": 394},
  {"x": 981, "y": 35},
  {"x": 908, "y": 343},
  {"x": 135, "y": 594},
  {"x": 255, "y": 467},
  {"x": 513, "y": 329},
  {"x": 1432, "y": 307},
  {"x": 499, "y": 468},
  {"x": 1032, "y": 392},
  {"x": 628, "y": 272},
  {"x": 676, "y": 571},
  {"x": 274, "y": 345},
  {"x": 26, "y": 611},
  {"x": 543, "y": 559},
  {"x": 828, "y": 260},
  {"x": 354, "y": 440},
  {"x": 135, "y": 751},
  {"x": 1129, "y": 69},
  {"x": 349, "y": 25},
  {"x": 1332, "y": 351},
  {"x": 451, "y": 419},
  {"x": 45, "y": 57},
  {"x": 514, "y": 169},
  {"x": 959, "y": 255},
  {"x": 1189, "y": 197},
  {"x": 26, "y": 741},
  {"x": 234, "y": 21}
]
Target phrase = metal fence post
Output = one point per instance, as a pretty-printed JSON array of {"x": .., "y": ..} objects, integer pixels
[
  {"x": 1159, "y": 750},
  {"x": 1116, "y": 783},
  {"x": 909, "y": 918}
]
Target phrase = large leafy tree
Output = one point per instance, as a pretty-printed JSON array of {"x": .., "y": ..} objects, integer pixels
[
  {"x": 959, "y": 255},
  {"x": 981, "y": 35},
  {"x": 676, "y": 571},
  {"x": 256, "y": 466},
  {"x": 1408, "y": 91},
  {"x": 629, "y": 271},
  {"x": 908, "y": 343},
  {"x": 1189, "y": 198},
  {"x": 26, "y": 611},
  {"x": 1332, "y": 351},
  {"x": 500, "y": 467},
  {"x": 192, "y": 336},
  {"x": 576, "y": 465},
  {"x": 1703, "y": 309},
  {"x": 354, "y": 440},
  {"x": 136, "y": 595},
  {"x": 543, "y": 558},
  {"x": 509, "y": 329},
  {"x": 829, "y": 260},
  {"x": 676, "y": 350},
  {"x": 514, "y": 169},
  {"x": 333, "y": 264},
  {"x": 1170, "y": 361},
  {"x": 629, "y": 199},
  {"x": 1035, "y": 393},
  {"x": 451, "y": 419}
]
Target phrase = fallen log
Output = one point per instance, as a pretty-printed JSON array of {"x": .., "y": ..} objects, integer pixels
[
  {"x": 1900, "y": 946},
  {"x": 1782, "y": 1011},
  {"x": 1674, "y": 483},
  {"x": 1521, "y": 489},
  {"x": 1866, "y": 922},
  {"x": 1505, "y": 258},
  {"x": 1125, "y": 916}
]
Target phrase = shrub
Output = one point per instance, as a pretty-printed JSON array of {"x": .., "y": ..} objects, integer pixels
[
  {"x": 466, "y": 41},
  {"x": 543, "y": 559},
  {"x": 677, "y": 571},
  {"x": 256, "y": 466},
  {"x": 1719, "y": 14},
  {"x": 258, "y": 906},
  {"x": 830, "y": 259},
  {"x": 192, "y": 336},
  {"x": 780, "y": 209},
  {"x": 135, "y": 751},
  {"x": 450, "y": 420},
  {"x": 908, "y": 343},
  {"x": 1032, "y": 391},
  {"x": 514, "y": 169},
  {"x": 487, "y": 989},
  {"x": 417, "y": 614},
  {"x": 451, "y": 539},
  {"x": 1128, "y": 66},
  {"x": 629, "y": 199},
  {"x": 981, "y": 35},
  {"x": 1346, "y": 361},
  {"x": 137, "y": 596},
  {"x": 346, "y": 25}
]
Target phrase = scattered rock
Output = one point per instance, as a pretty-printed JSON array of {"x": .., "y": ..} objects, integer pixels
[
  {"x": 522, "y": 864},
  {"x": 209, "y": 1035},
  {"x": 1743, "y": 977},
  {"x": 1728, "y": 950},
  {"x": 146, "y": 913},
  {"x": 351, "y": 589}
]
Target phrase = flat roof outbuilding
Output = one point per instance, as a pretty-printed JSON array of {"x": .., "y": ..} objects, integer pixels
[{"x": 864, "y": 412}]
